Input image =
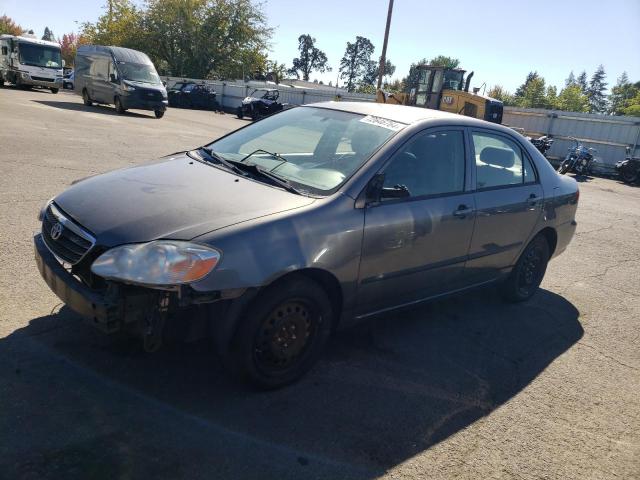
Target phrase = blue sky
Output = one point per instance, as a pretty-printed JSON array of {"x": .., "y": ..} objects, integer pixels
[{"x": 500, "y": 40}]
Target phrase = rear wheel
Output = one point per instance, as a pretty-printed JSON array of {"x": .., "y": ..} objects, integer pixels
[
  {"x": 86, "y": 99},
  {"x": 55, "y": 90},
  {"x": 159, "y": 113},
  {"x": 239, "y": 113},
  {"x": 119, "y": 107},
  {"x": 282, "y": 334},
  {"x": 564, "y": 167},
  {"x": 526, "y": 276}
]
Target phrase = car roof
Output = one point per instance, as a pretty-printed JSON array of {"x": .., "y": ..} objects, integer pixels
[{"x": 400, "y": 113}]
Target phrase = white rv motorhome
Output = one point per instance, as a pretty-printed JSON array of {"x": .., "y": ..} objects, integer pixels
[{"x": 28, "y": 61}]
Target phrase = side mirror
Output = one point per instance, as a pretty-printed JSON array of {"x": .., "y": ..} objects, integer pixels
[
  {"x": 64, "y": 64},
  {"x": 628, "y": 150},
  {"x": 397, "y": 191},
  {"x": 113, "y": 78},
  {"x": 164, "y": 84}
]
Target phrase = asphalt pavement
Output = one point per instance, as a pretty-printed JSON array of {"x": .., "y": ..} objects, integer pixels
[{"x": 467, "y": 387}]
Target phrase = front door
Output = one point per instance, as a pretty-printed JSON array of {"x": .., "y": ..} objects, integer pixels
[
  {"x": 417, "y": 235},
  {"x": 508, "y": 200}
]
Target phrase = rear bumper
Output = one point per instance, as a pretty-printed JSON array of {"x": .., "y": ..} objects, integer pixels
[
  {"x": 565, "y": 233},
  {"x": 104, "y": 313}
]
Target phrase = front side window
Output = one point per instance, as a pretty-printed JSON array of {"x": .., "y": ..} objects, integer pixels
[
  {"x": 500, "y": 162},
  {"x": 431, "y": 164},
  {"x": 316, "y": 149}
]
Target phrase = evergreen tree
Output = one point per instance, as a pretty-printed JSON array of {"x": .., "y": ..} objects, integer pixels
[
  {"x": 596, "y": 91},
  {"x": 571, "y": 79},
  {"x": 582, "y": 82},
  {"x": 48, "y": 35},
  {"x": 520, "y": 92},
  {"x": 621, "y": 93}
]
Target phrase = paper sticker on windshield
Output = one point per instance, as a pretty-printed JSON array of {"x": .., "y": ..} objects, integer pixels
[{"x": 383, "y": 122}]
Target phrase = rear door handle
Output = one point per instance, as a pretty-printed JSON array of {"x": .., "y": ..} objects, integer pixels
[
  {"x": 463, "y": 211},
  {"x": 533, "y": 200}
]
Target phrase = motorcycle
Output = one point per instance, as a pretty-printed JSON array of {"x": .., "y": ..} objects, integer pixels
[
  {"x": 578, "y": 160},
  {"x": 542, "y": 143},
  {"x": 629, "y": 168}
]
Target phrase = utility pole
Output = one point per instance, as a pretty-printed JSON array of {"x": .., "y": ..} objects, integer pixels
[{"x": 383, "y": 57}]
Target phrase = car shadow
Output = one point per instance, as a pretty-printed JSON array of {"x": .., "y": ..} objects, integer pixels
[
  {"x": 582, "y": 178},
  {"x": 80, "y": 107},
  {"x": 384, "y": 391}
]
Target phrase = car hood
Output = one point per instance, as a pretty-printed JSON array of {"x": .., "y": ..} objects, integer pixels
[{"x": 174, "y": 198}]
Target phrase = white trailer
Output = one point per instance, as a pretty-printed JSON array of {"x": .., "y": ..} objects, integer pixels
[{"x": 28, "y": 62}]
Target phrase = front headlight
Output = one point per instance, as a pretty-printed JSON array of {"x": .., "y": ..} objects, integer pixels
[
  {"x": 128, "y": 88},
  {"x": 162, "y": 262}
]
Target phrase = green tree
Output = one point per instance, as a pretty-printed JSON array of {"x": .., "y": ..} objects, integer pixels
[
  {"x": 572, "y": 99},
  {"x": 373, "y": 72},
  {"x": 310, "y": 59},
  {"x": 520, "y": 91},
  {"x": 533, "y": 94},
  {"x": 444, "y": 61},
  {"x": 48, "y": 35},
  {"x": 571, "y": 79},
  {"x": 551, "y": 97},
  {"x": 8, "y": 26},
  {"x": 621, "y": 93},
  {"x": 356, "y": 62},
  {"x": 500, "y": 93},
  {"x": 582, "y": 82},
  {"x": 632, "y": 106},
  {"x": 597, "y": 92},
  {"x": 412, "y": 77},
  {"x": 121, "y": 25},
  {"x": 276, "y": 71}
]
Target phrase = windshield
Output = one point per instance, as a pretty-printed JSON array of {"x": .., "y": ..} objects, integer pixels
[
  {"x": 40, "y": 55},
  {"x": 314, "y": 149},
  {"x": 137, "y": 72},
  {"x": 453, "y": 79}
]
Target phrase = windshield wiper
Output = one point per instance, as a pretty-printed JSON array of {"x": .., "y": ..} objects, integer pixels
[
  {"x": 260, "y": 150},
  {"x": 222, "y": 161},
  {"x": 275, "y": 178}
]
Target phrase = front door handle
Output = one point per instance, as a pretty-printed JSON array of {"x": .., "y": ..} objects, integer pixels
[{"x": 463, "y": 211}]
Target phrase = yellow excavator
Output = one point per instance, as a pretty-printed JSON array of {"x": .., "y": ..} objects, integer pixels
[{"x": 443, "y": 88}]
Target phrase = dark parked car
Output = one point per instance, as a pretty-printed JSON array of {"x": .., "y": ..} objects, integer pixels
[
  {"x": 192, "y": 95},
  {"x": 119, "y": 76},
  {"x": 261, "y": 103},
  {"x": 271, "y": 237},
  {"x": 629, "y": 168}
]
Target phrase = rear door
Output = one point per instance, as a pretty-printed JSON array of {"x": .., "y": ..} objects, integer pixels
[
  {"x": 508, "y": 200},
  {"x": 415, "y": 245}
]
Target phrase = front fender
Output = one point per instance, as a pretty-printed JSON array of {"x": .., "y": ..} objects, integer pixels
[{"x": 325, "y": 235}]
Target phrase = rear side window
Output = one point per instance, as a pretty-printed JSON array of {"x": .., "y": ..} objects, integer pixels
[
  {"x": 431, "y": 164},
  {"x": 500, "y": 162}
]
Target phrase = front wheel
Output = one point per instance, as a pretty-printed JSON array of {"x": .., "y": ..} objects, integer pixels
[
  {"x": 629, "y": 176},
  {"x": 564, "y": 167},
  {"x": 119, "y": 108},
  {"x": 526, "y": 276},
  {"x": 159, "y": 113},
  {"x": 55, "y": 90},
  {"x": 282, "y": 334},
  {"x": 86, "y": 99}
]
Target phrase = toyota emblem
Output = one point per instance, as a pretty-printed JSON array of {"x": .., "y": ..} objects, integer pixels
[{"x": 56, "y": 231}]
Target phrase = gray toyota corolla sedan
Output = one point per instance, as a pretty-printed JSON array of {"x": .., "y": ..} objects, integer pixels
[{"x": 273, "y": 236}]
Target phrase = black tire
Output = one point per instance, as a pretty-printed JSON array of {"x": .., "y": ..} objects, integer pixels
[
  {"x": 119, "y": 108},
  {"x": 525, "y": 278},
  {"x": 159, "y": 113},
  {"x": 268, "y": 349},
  {"x": 1, "y": 82},
  {"x": 239, "y": 113},
  {"x": 255, "y": 115},
  {"x": 55, "y": 90},
  {"x": 564, "y": 167},
  {"x": 86, "y": 99},
  {"x": 629, "y": 176}
]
